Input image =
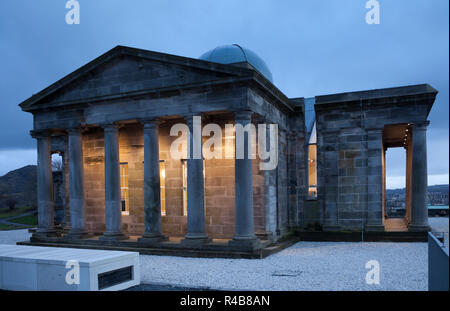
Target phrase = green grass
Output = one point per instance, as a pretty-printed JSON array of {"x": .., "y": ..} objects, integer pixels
[
  {"x": 8, "y": 227},
  {"x": 6, "y": 212},
  {"x": 30, "y": 220}
]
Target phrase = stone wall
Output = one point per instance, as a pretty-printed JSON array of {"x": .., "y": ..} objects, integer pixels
[
  {"x": 219, "y": 186},
  {"x": 350, "y": 155}
]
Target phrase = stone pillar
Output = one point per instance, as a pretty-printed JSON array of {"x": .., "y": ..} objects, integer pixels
[
  {"x": 44, "y": 186},
  {"x": 408, "y": 147},
  {"x": 244, "y": 236},
  {"x": 419, "y": 176},
  {"x": 112, "y": 185},
  {"x": 328, "y": 178},
  {"x": 196, "y": 232},
  {"x": 152, "y": 188},
  {"x": 77, "y": 201},
  {"x": 375, "y": 153}
]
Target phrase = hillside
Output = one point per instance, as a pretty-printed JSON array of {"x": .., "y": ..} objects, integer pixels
[{"x": 21, "y": 184}]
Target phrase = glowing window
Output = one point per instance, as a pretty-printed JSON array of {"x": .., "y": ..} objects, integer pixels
[
  {"x": 312, "y": 164},
  {"x": 184, "y": 169},
  {"x": 162, "y": 177},
  {"x": 312, "y": 171},
  {"x": 125, "y": 207},
  {"x": 184, "y": 177}
]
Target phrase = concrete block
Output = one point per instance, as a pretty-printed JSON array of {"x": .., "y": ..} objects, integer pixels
[{"x": 34, "y": 268}]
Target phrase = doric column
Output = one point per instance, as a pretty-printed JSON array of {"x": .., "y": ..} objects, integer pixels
[
  {"x": 44, "y": 185},
  {"x": 77, "y": 202},
  {"x": 419, "y": 176},
  {"x": 244, "y": 235},
  {"x": 112, "y": 185},
  {"x": 374, "y": 203},
  {"x": 152, "y": 188},
  {"x": 196, "y": 232}
]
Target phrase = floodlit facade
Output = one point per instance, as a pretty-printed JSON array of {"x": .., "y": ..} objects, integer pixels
[{"x": 111, "y": 120}]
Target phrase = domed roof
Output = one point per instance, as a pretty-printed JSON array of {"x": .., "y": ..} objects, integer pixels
[{"x": 233, "y": 53}]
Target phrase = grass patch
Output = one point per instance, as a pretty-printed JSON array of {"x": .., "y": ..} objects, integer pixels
[
  {"x": 6, "y": 212},
  {"x": 4, "y": 227},
  {"x": 30, "y": 220}
]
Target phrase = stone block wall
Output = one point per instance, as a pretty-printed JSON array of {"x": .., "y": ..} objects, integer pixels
[
  {"x": 94, "y": 179},
  {"x": 219, "y": 186},
  {"x": 351, "y": 155}
]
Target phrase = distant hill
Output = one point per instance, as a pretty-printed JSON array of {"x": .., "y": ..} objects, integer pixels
[
  {"x": 434, "y": 188},
  {"x": 21, "y": 184}
]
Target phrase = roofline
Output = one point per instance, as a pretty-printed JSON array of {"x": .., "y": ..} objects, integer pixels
[
  {"x": 409, "y": 90},
  {"x": 124, "y": 50}
]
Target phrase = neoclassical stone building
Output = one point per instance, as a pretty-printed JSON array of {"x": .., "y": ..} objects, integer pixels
[{"x": 110, "y": 121}]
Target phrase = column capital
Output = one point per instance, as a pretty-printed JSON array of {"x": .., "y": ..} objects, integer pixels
[
  {"x": 152, "y": 121},
  {"x": 419, "y": 125},
  {"x": 75, "y": 130},
  {"x": 40, "y": 133},
  {"x": 110, "y": 127},
  {"x": 189, "y": 117},
  {"x": 243, "y": 114}
]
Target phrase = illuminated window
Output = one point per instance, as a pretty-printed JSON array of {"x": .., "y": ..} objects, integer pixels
[
  {"x": 125, "y": 207},
  {"x": 184, "y": 169},
  {"x": 162, "y": 176},
  {"x": 312, "y": 171},
  {"x": 184, "y": 177},
  {"x": 312, "y": 164}
]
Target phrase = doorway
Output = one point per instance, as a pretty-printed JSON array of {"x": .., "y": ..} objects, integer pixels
[{"x": 396, "y": 177}]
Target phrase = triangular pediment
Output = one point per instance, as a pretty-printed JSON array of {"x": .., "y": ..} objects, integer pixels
[{"x": 123, "y": 71}]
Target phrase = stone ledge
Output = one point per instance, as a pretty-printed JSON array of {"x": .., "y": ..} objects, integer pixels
[{"x": 215, "y": 249}]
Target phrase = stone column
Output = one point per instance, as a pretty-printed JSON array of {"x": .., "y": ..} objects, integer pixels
[
  {"x": 196, "y": 233},
  {"x": 44, "y": 186},
  {"x": 328, "y": 178},
  {"x": 112, "y": 185},
  {"x": 152, "y": 188},
  {"x": 244, "y": 235},
  {"x": 77, "y": 202},
  {"x": 408, "y": 147},
  {"x": 419, "y": 175},
  {"x": 374, "y": 203}
]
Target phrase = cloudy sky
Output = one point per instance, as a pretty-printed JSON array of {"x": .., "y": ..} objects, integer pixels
[{"x": 312, "y": 48}]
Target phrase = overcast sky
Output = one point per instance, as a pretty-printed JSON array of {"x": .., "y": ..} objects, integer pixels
[{"x": 312, "y": 48}]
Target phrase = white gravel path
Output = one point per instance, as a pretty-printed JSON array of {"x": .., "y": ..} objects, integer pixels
[{"x": 303, "y": 266}]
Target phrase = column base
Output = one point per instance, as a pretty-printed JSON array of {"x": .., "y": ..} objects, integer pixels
[
  {"x": 77, "y": 235},
  {"x": 150, "y": 239},
  {"x": 116, "y": 236},
  {"x": 195, "y": 239},
  {"x": 418, "y": 228},
  {"x": 245, "y": 243},
  {"x": 331, "y": 228},
  {"x": 44, "y": 234},
  {"x": 374, "y": 228}
]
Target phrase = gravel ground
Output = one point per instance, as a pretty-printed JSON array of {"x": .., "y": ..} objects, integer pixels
[
  {"x": 13, "y": 236},
  {"x": 303, "y": 266}
]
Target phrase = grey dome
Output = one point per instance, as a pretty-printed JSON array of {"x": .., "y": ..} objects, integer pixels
[{"x": 233, "y": 53}]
